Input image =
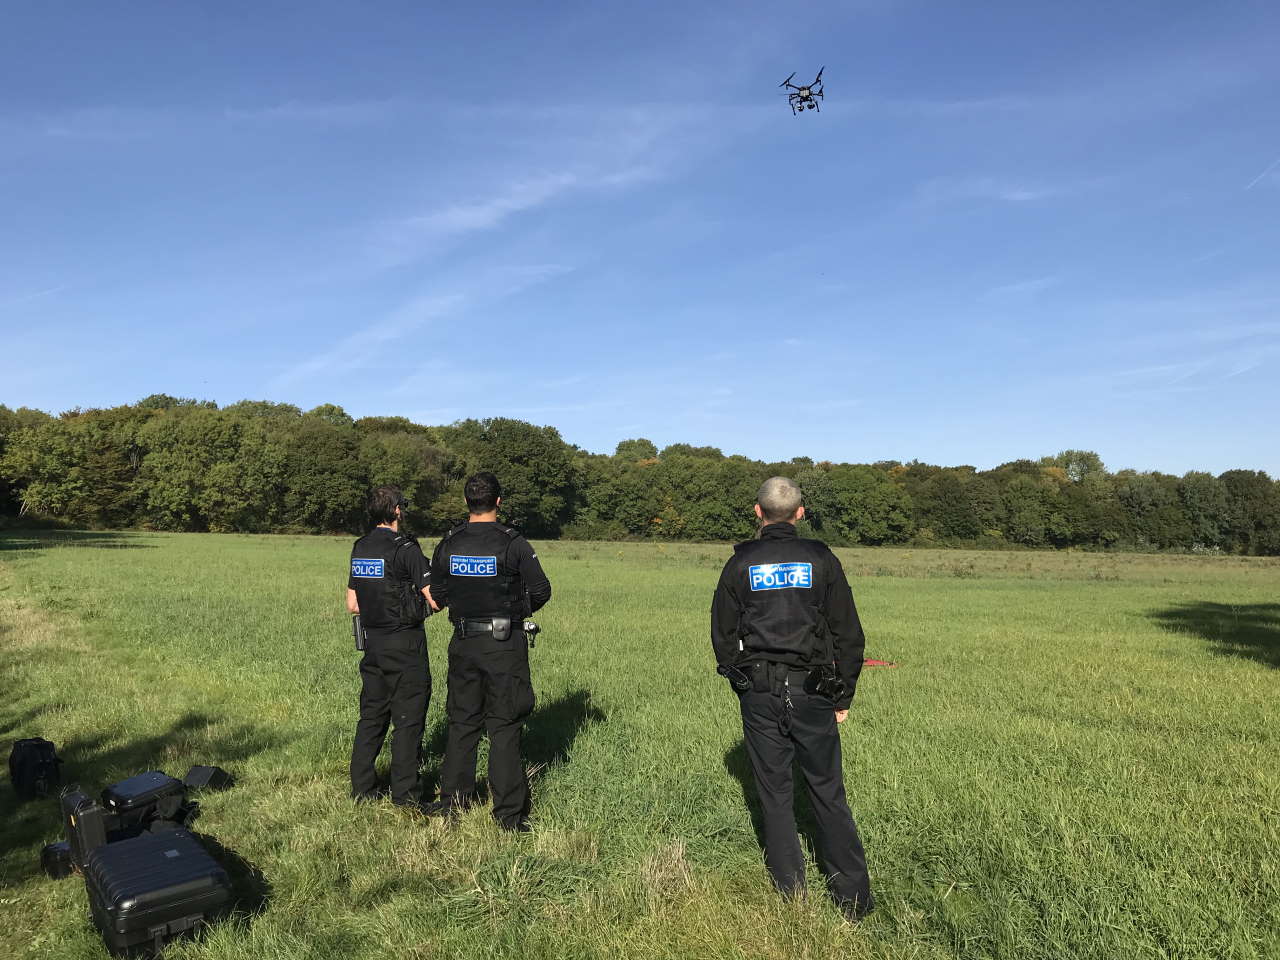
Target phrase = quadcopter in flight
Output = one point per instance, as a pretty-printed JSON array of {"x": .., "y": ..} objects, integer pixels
[{"x": 802, "y": 97}]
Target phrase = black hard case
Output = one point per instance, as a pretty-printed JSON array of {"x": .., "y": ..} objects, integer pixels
[
  {"x": 148, "y": 796},
  {"x": 86, "y": 825},
  {"x": 208, "y": 778},
  {"x": 55, "y": 860},
  {"x": 146, "y": 891}
]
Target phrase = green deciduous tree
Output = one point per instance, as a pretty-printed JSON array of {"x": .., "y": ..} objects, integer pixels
[
  {"x": 1253, "y": 514},
  {"x": 866, "y": 506},
  {"x": 533, "y": 464}
]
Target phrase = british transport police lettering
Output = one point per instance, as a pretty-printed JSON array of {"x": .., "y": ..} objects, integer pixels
[
  {"x": 780, "y": 576},
  {"x": 366, "y": 569},
  {"x": 460, "y": 566}
]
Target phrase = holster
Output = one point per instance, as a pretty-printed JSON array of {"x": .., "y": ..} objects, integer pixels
[
  {"x": 739, "y": 679},
  {"x": 762, "y": 677},
  {"x": 501, "y": 628}
]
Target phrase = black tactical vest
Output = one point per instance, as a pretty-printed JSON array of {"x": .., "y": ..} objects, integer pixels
[
  {"x": 782, "y": 583},
  {"x": 482, "y": 581},
  {"x": 388, "y": 599}
]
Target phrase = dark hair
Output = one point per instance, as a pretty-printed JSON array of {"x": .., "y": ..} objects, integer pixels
[
  {"x": 383, "y": 502},
  {"x": 482, "y": 492}
]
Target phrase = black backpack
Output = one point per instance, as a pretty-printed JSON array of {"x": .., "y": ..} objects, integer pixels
[{"x": 33, "y": 768}]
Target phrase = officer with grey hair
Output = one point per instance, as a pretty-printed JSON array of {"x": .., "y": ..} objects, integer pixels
[{"x": 787, "y": 637}]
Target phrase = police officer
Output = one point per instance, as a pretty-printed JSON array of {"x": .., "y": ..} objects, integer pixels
[
  {"x": 488, "y": 576},
  {"x": 388, "y": 588},
  {"x": 787, "y": 636}
]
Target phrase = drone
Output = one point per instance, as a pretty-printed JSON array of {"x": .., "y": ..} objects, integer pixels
[{"x": 802, "y": 97}]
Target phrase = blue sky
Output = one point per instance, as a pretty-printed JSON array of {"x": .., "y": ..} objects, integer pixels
[{"x": 1014, "y": 227}]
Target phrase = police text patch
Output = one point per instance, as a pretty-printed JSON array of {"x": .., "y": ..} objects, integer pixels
[
  {"x": 461, "y": 566},
  {"x": 780, "y": 576},
  {"x": 367, "y": 569}
]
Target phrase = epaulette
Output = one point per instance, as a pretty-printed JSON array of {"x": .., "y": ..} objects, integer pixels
[
  {"x": 458, "y": 529},
  {"x": 406, "y": 537},
  {"x": 511, "y": 530}
]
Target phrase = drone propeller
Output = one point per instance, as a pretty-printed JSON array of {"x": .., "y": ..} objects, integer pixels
[
  {"x": 818, "y": 79},
  {"x": 788, "y": 80}
]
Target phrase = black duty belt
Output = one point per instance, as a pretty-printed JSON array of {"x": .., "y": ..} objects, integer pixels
[
  {"x": 474, "y": 626},
  {"x": 769, "y": 676}
]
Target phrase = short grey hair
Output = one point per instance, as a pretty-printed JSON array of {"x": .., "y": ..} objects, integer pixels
[{"x": 779, "y": 499}]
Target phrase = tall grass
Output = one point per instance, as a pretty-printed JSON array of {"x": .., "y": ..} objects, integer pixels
[{"x": 1076, "y": 757}]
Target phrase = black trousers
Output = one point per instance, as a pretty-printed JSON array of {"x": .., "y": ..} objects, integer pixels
[
  {"x": 489, "y": 691},
  {"x": 776, "y": 735},
  {"x": 395, "y": 687}
]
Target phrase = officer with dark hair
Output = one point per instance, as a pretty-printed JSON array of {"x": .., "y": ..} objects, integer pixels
[
  {"x": 388, "y": 588},
  {"x": 787, "y": 637},
  {"x": 488, "y": 576}
]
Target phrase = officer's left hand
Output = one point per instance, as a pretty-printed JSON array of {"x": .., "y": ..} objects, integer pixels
[
  {"x": 435, "y": 607},
  {"x": 841, "y": 716}
]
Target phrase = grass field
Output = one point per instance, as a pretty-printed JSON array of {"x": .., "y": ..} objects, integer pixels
[{"x": 1077, "y": 757}]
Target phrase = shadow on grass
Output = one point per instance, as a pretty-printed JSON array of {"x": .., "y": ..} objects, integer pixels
[
  {"x": 37, "y": 540},
  {"x": 549, "y": 734},
  {"x": 1248, "y": 630},
  {"x": 738, "y": 764},
  {"x": 97, "y": 761},
  {"x": 552, "y": 728},
  {"x": 250, "y": 889}
]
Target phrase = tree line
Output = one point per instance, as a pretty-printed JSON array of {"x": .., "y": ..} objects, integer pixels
[{"x": 167, "y": 463}]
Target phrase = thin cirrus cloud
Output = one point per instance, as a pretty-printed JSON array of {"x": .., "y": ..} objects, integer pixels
[
  {"x": 1264, "y": 174},
  {"x": 643, "y": 150},
  {"x": 122, "y": 122},
  {"x": 945, "y": 190},
  {"x": 408, "y": 238},
  {"x": 336, "y": 113},
  {"x": 363, "y": 347},
  {"x": 1020, "y": 291}
]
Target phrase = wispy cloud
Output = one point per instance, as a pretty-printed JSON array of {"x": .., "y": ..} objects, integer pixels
[
  {"x": 406, "y": 237},
  {"x": 568, "y": 153},
  {"x": 25, "y": 298},
  {"x": 1264, "y": 174},
  {"x": 344, "y": 112},
  {"x": 369, "y": 345},
  {"x": 362, "y": 348},
  {"x": 115, "y": 123},
  {"x": 1203, "y": 373},
  {"x": 948, "y": 108},
  {"x": 1021, "y": 290},
  {"x": 943, "y": 190}
]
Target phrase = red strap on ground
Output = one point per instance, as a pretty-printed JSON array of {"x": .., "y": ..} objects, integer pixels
[{"x": 878, "y": 663}]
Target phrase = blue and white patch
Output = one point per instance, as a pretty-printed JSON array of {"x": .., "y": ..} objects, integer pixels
[
  {"x": 780, "y": 576},
  {"x": 461, "y": 566},
  {"x": 366, "y": 569}
]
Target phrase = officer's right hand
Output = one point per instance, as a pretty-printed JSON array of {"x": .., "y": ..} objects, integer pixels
[{"x": 841, "y": 716}]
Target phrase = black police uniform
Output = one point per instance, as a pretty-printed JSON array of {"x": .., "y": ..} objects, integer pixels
[
  {"x": 388, "y": 572},
  {"x": 782, "y": 608},
  {"x": 486, "y": 572}
]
